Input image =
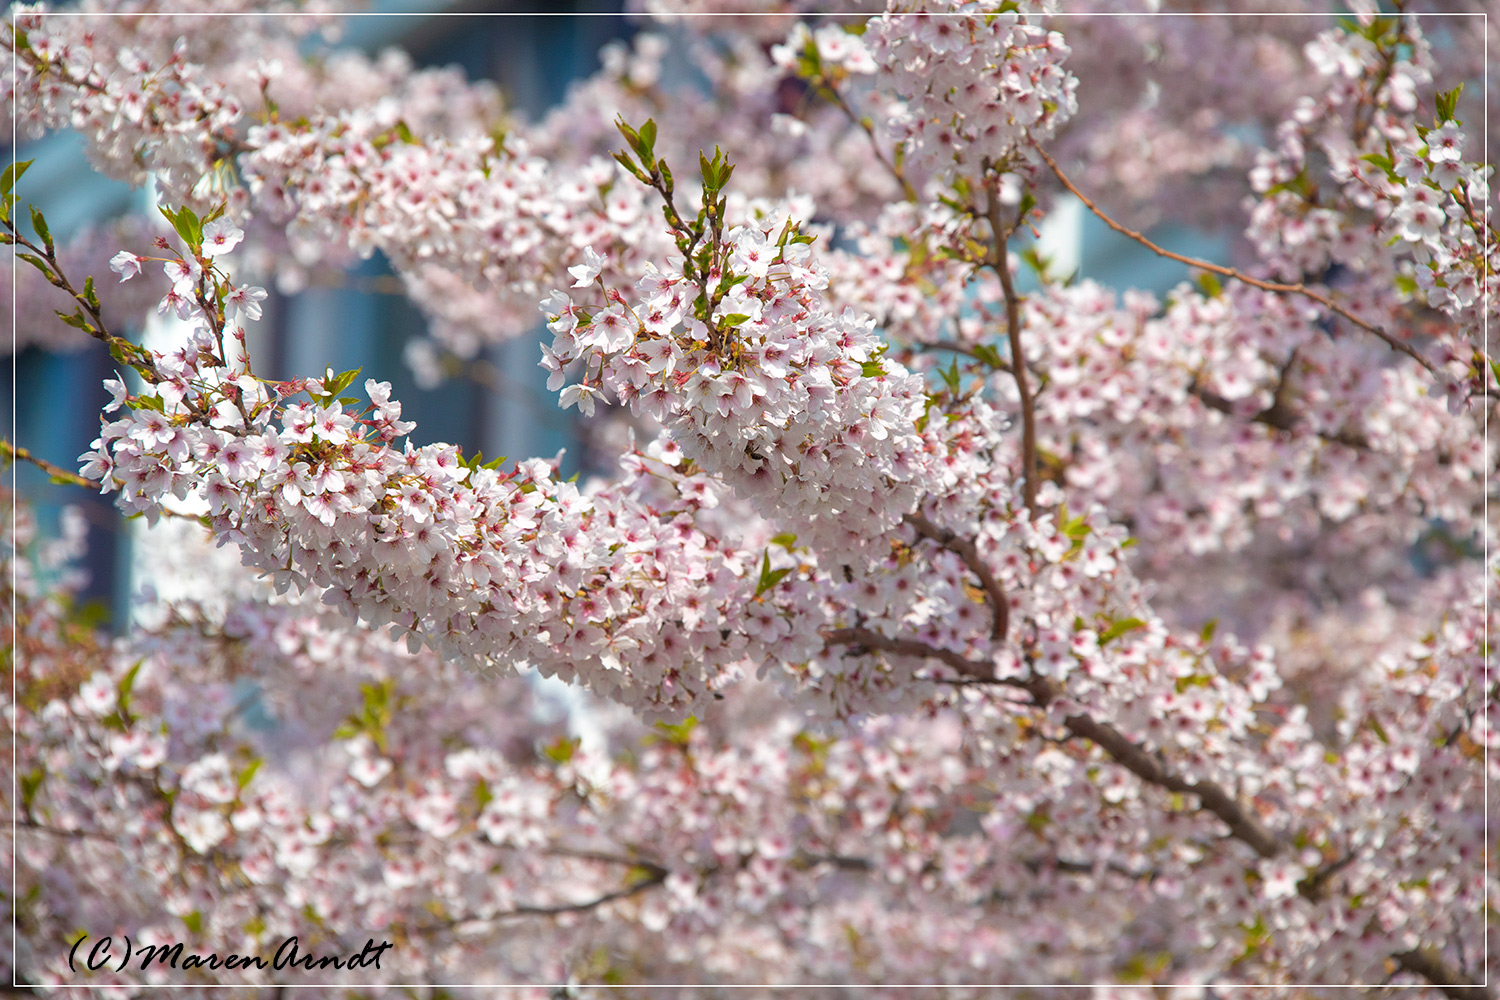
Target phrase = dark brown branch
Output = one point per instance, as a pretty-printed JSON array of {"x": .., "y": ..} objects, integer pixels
[
  {"x": 1269, "y": 286},
  {"x": 999, "y": 262},
  {"x": 1243, "y": 825},
  {"x": 1431, "y": 966},
  {"x": 969, "y": 553},
  {"x": 910, "y": 647},
  {"x": 1134, "y": 758},
  {"x": 657, "y": 875},
  {"x": 110, "y": 840},
  {"x": 1276, "y": 415},
  {"x": 1314, "y": 887}
]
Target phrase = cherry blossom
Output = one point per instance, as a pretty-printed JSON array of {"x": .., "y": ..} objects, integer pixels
[{"x": 923, "y": 615}]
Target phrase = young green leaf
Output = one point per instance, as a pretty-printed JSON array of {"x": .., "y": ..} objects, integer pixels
[
  {"x": 1119, "y": 628},
  {"x": 40, "y": 225},
  {"x": 12, "y": 174}
]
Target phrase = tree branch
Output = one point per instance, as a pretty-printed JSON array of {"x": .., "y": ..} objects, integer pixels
[
  {"x": 1431, "y": 966},
  {"x": 1269, "y": 286},
  {"x": 1276, "y": 415},
  {"x": 657, "y": 875},
  {"x": 827, "y": 90},
  {"x": 1243, "y": 825},
  {"x": 15, "y": 454},
  {"x": 999, "y": 262},
  {"x": 911, "y": 647},
  {"x": 969, "y": 553}
]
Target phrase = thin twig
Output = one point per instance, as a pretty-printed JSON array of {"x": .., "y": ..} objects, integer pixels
[
  {"x": 1269, "y": 286},
  {"x": 956, "y": 348},
  {"x": 15, "y": 454},
  {"x": 828, "y": 91}
]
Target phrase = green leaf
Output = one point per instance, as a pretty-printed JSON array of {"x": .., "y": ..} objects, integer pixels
[
  {"x": 786, "y": 540},
  {"x": 88, "y": 293},
  {"x": 561, "y": 750},
  {"x": 629, "y": 164},
  {"x": 1119, "y": 628},
  {"x": 989, "y": 355},
  {"x": 13, "y": 172},
  {"x": 680, "y": 733},
  {"x": 75, "y": 319},
  {"x": 127, "y": 684},
  {"x": 1383, "y": 162},
  {"x": 40, "y": 225},
  {"x": 1210, "y": 284},
  {"x": 248, "y": 774},
  {"x": 769, "y": 577},
  {"x": 734, "y": 319},
  {"x": 186, "y": 223},
  {"x": 403, "y": 132},
  {"x": 647, "y": 136},
  {"x": 1448, "y": 102},
  {"x": 31, "y": 783},
  {"x": 1209, "y": 628},
  {"x": 872, "y": 369},
  {"x": 340, "y": 382},
  {"x": 37, "y": 263},
  {"x": 193, "y": 922},
  {"x": 951, "y": 377}
]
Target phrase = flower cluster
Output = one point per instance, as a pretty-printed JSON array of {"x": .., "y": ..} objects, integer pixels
[
  {"x": 979, "y": 88},
  {"x": 784, "y": 400}
]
